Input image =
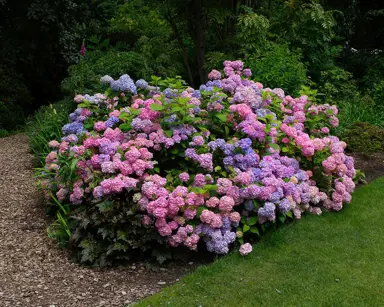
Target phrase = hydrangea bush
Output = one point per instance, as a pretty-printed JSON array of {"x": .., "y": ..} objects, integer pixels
[{"x": 185, "y": 167}]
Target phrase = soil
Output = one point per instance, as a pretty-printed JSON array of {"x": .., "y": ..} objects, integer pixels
[
  {"x": 372, "y": 164},
  {"x": 34, "y": 271}
]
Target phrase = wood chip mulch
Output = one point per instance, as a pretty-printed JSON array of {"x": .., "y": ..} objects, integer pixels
[{"x": 34, "y": 271}]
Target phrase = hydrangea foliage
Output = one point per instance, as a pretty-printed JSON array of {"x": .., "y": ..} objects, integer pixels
[{"x": 213, "y": 165}]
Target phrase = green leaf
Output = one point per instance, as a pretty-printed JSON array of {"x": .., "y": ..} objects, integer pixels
[
  {"x": 210, "y": 187},
  {"x": 285, "y": 149},
  {"x": 85, "y": 104},
  {"x": 73, "y": 164},
  {"x": 246, "y": 228},
  {"x": 199, "y": 211},
  {"x": 198, "y": 190},
  {"x": 252, "y": 220},
  {"x": 222, "y": 117},
  {"x": 125, "y": 127},
  {"x": 88, "y": 125},
  {"x": 135, "y": 111},
  {"x": 274, "y": 146},
  {"x": 168, "y": 133},
  {"x": 183, "y": 100},
  {"x": 176, "y": 109},
  {"x": 156, "y": 107},
  {"x": 124, "y": 115},
  {"x": 217, "y": 168},
  {"x": 255, "y": 230}
]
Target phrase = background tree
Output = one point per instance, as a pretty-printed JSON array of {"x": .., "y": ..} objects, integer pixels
[{"x": 334, "y": 47}]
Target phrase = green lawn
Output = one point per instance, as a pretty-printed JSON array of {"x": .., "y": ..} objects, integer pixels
[{"x": 336, "y": 259}]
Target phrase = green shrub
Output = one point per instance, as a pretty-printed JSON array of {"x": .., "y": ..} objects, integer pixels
[
  {"x": 45, "y": 125},
  {"x": 364, "y": 137},
  {"x": 336, "y": 84},
  {"x": 378, "y": 94},
  {"x": 279, "y": 67},
  {"x": 84, "y": 77}
]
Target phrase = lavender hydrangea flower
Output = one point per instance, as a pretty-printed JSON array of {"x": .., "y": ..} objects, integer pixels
[
  {"x": 73, "y": 128},
  {"x": 125, "y": 83},
  {"x": 267, "y": 211},
  {"x": 284, "y": 206},
  {"x": 217, "y": 240},
  {"x": 141, "y": 83},
  {"x": 214, "y": 83},
  {"x": 196, "y": 94},
  {"x": 139, "y": 124},
  {"x": 206, "y": 88},
  {"x": 170, "y": 93},
  {"x": 106, "y": 80}
]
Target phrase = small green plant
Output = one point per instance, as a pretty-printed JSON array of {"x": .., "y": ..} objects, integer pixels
[
  {"x": 45, "y": 125},
  {"x": 3, "y": 133},
  {"x": 359, "y": 109}
]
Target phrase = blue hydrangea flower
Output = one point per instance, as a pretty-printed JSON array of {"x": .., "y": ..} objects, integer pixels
[
  {"x": 73, "y": 128},
  {"x": 113, "y": 120},
  {"x": 196, "y": 94},
  {"x": 206, "y": 88},
  {"x": 169, "y": 93}
]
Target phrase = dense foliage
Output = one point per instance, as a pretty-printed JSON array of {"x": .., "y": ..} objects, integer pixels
[
  {"x": 332, "y": 47},
  {"x": 162, "y": 164}
]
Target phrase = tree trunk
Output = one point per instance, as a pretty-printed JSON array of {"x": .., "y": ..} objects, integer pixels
[
  {"x": 269, "y": 8},
  {"x": 199, "y": 38}
]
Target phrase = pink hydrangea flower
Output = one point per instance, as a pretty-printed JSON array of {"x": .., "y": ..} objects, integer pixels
[
  {"x": 184, "y": 177},
  {"x": 245, "y": 249},
  {"x": 54, "y": 144}
]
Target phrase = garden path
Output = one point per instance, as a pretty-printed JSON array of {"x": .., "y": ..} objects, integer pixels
[{"x": 33, "y": 270}]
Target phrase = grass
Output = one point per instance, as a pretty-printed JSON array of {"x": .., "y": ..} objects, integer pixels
[
  {"x": 336, "y": 259},
  {"x": 359, "y": 110}
]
